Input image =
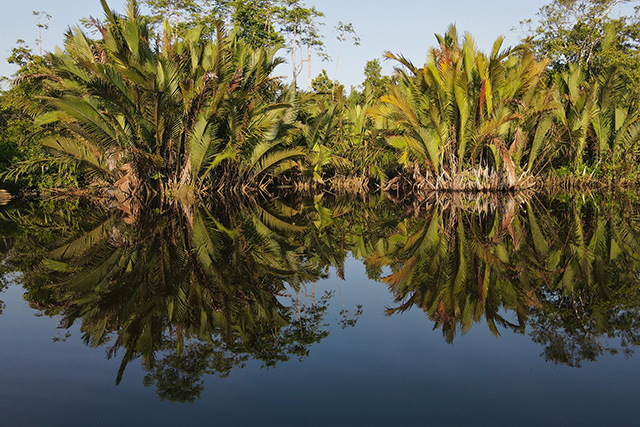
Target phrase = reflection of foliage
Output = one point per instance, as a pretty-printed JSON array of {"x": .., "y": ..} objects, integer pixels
[
  {"x": 458, "y": 267},
  {"x": 192, "y": 291},
  {"x": 592, "y": 306},
  {"x": 178, "y": 376},
  {"x": 349, "y": 321},
  {"x": 26, "y": 230},
  {"x": 192, "y": 277},
  {"x": 574, "y": 330},
  {"x": 201, "y": 291},
  {"x": 570, "y": 270},
  {"x": 304, "y": 327},
  {"x": 5, "y": 244}
]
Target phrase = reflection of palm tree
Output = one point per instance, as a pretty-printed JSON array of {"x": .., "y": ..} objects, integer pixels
[
  {"x": 456, "y": 268},
  {"x": 165, "y": 282},
  {"x": 214, "y": 288},
  {"x": 593, "y": 291},
  {"x": 570, "y": 271}
]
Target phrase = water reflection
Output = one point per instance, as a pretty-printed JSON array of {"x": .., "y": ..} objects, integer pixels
[
  {"x": 194, "y": 291},
  {"x": 188, "y": 291},
  {"x": 460, "y": 263},
  {"x": 569, "y": 269}
]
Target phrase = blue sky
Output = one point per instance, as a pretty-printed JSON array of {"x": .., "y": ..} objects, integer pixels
[{"x": 401, "y": 26}]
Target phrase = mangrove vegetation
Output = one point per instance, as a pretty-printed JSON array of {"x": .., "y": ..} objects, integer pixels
[
  {"x": 216, "y": 193},
  {"x": 183, "y": 105}
]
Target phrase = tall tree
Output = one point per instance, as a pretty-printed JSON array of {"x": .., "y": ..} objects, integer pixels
[
  {"x": 255, "y": 22},
  {"x": 19, "y": 103},
  {"x": 585, "y": 32},
  {"x": 374, "y": 82},
  {"x": 344, "y": 32},
  {"x": 300, "y": 26},
  {"x": 42, "y": 19},
  {"x": 186, "y": 14}
]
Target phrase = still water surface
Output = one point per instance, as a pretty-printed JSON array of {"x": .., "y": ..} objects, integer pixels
[{"x": 319, "y": 312}]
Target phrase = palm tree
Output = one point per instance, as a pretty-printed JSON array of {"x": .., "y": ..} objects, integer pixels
[
  {"x": 191, "y": 115},
  {"x": 597, "y": 126},
  {"x": 467, "y": 111}
]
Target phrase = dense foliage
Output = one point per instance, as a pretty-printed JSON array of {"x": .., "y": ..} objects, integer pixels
[
  {"x": 155, "y": 112},
  {"x": 192, "y": 107}
]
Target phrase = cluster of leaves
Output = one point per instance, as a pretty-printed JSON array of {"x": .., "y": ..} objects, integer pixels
[
  {"x": 138, "y": 112},
  {"x": 476, "y": 121},
  {"x": 19, "y": 136},
  {"x": 191, "y": 109},
  {"x": 259, "y": 23},
  {"x": 467, "y": 109},
  {"x": 189, "y": 114}
]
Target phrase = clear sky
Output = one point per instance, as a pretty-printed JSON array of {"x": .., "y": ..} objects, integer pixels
[{"x": 401, "y": 26}]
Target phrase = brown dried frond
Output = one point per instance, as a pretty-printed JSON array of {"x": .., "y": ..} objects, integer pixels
[
  {"x": 99, "y": 54},
  {"x": 99, "y": 26},
  {"x": 24, "y": 77},
  {"x": 235, "y": 81}
]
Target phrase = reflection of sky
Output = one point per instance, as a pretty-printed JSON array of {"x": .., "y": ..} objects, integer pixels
[
  {"x": 385, "y": 371},
  {"x": 404, "y": 26}
]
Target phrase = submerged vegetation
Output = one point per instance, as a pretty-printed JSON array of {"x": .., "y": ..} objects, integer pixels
[{"x": 195, "y": 108}]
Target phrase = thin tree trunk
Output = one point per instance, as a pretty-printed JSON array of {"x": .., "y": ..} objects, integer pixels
[
  {"x": 293, "y": 57},
  {"x": 308, "y": 68},
  {"x": 39, "y": 35},
  {"x": 335, "y": 75}
]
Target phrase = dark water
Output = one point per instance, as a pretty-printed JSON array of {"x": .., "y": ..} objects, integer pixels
[{"x": 322, "y": 312}]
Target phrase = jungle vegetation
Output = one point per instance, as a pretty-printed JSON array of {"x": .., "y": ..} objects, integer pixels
[
  {"x": 183, "y": 102},
  {"x": 225, "y": 193}
]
